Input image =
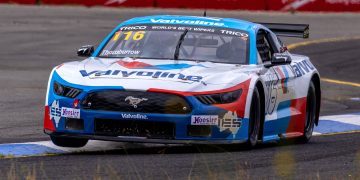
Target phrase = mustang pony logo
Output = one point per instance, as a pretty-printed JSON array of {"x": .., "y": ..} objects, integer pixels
[{"x": 135, "y": 101}]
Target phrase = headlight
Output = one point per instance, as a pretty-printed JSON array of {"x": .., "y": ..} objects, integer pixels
[
  {"x": 222, "y": 98},
  {"x": 65, "y": 91}
]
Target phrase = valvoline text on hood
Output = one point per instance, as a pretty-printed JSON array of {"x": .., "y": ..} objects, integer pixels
[{"x": 129, "y": 74}]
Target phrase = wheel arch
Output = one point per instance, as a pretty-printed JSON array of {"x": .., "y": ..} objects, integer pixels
[
  {"x": 259, "y": 85},
  {"x": 316, "y": 80}
]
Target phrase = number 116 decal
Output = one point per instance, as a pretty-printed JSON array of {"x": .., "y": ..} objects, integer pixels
[{"x": 136, "y": 36}]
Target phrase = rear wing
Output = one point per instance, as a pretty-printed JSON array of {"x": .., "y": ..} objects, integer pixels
[{"x": 289, "y": 30}]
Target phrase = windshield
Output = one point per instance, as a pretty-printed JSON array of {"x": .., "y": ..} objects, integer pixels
[{"x": 178, "y": 42}]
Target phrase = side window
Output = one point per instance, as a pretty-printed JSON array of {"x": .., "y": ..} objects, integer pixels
[
  {"x": 277, "y": 44},
  {"x": 263, "y": 46}
]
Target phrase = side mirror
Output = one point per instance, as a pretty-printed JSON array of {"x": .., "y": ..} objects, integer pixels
[
  {"x": 280, "y": 59},
  {"x": 85, "y": 51}
]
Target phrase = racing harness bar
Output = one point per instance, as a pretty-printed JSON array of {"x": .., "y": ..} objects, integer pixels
[{"x": 289, "y": 30}]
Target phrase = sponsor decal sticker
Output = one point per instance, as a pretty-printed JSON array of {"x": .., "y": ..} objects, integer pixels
[
  {"x": 132, "y": 74},
  {"x": 134, "y": 116},
  {"x": 120, "y": 52},
  {"x": 130, "y": 28},
  {"x": 70, "y": 113},
  {"x": 302, "y": 68},
  {"x": 55, "y": 112},
  {"x": 197, "y": 22},
  {"x": 204, "y": 120},
  {"x": 231, "y": 122},
  {"x": 228, "y": 122},
  {"x": 235, "y": 33},
  {"x": 271, "y": 83}
]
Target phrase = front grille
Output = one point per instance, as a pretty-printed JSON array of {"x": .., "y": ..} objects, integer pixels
[
  {"x": 125, "y": 101},
  {"x": 198, "y": 131},
  {"x": 74, "y": 124},
  {"x": 135, "y": 128},
  {"x": 71, "y": 92}
]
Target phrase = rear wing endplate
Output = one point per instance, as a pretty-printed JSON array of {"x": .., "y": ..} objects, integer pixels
[{"x": 288, "y": 30}]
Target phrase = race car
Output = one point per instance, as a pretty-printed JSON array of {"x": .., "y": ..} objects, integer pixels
[{"x": 188, "y": 80}]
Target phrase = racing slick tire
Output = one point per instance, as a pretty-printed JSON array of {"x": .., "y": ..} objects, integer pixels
[
  {"x": 254, "y": 119},
  {"x": 68, "y": 142},
  {"x": 310, "y": 114}
]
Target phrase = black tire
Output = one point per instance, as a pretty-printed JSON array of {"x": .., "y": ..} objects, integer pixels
[
  {"x": 68, "y": 142},
  {"x": 254, "y": 120},
  {"x": 310, "y": 114}
]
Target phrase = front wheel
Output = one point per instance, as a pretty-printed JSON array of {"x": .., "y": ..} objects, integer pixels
[
  {"x": 310, "y": 115},
  {"x": 254, "y": 119},
  {"x": 68, "y": 142}
]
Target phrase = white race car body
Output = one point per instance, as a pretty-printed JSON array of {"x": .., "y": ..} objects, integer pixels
[{"x": 174, "y": 100}]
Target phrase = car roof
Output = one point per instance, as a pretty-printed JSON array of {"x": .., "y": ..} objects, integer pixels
[{"x": 194, "y": 20}]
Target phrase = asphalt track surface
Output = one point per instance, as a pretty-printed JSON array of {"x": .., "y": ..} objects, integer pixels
[{"x": 33, "y": 40}]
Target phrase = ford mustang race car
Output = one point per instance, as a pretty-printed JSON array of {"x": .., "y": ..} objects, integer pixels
[{"x": 185, "y": 79}]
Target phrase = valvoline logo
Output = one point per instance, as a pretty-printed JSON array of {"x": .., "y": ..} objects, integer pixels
[
  {"x": 145, "y": 70},
  {"x": 213, "y": 22},
  {"x": 141, "y": 73},
  {"x": 141, "y": 65}
]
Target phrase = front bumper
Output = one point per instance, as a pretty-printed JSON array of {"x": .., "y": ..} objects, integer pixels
[
  {"x": 231, "y": 127},
  {"x": 142, "y": 139},
  {"x": 183, "y": 132}
]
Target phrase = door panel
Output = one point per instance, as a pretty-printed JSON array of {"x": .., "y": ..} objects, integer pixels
[{"x": 287, "y": 110}]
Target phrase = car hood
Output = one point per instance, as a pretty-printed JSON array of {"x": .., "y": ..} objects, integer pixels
[{"x": 152, "y": 73}]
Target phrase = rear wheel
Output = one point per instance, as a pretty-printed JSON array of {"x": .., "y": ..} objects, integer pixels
[
  {"x": 254, "y": 119},
  {"x": 310, "y": 114},
  {"x": 68, "y": 142}
]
